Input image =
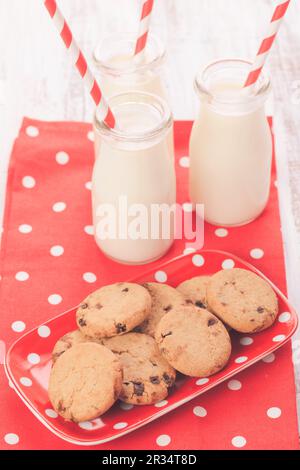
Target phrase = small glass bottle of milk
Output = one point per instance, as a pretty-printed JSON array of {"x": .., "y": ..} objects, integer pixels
[
  {"x": 134, "y": 179},
  {"x": 120, "y": 71},
  {"x": 231, "y": 145}
]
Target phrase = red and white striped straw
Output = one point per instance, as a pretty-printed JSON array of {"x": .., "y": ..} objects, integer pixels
[
  {"x": 104, "y": 113},
  {"x": 267, "y": 43},
  {"x": 144, "y": 26}
]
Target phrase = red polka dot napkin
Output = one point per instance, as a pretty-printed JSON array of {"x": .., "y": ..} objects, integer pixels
[{"x": 49, "y": 262}]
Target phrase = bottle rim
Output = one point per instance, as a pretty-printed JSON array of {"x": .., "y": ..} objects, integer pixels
[
  {"x": 261, "y": 88},
  {"x": 154, "y": 101},
  {"x": 134, "y": 67}
]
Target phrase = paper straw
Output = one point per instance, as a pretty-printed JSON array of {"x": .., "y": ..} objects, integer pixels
[
  {"x": 267, "y": 43},
  {"x": 144, "y": 27},
  {"x": 104, "y": 113}
]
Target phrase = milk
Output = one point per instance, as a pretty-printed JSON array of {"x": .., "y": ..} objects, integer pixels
[
  {"x": 231, "y": 155},
  {"x": 134, "y": 170}
]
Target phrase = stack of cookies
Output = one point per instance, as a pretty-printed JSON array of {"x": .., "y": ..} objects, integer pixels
[{"x": 131, "y": 339}]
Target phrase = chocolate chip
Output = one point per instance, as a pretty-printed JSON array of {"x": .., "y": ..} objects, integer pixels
[
  {"x": 155, "y": 380},
  {"x": 224, "y": 304},
  {"x": 61, "y": 408},
  {"x": 138, "y": 388},
  {"x": 82, "y": 322},
  {"x": 166, "y": 334},
  {"x": 260, "y": 309},
  {"x": 168, "y": 380},
  {"x": 99, "y": 306},
  {"x": 211, "y": 322},
  {"x": 189, "y": 302},
  {"x": 168, "y": 308},
  {"x": 125, "y": 290},
  {"x": 153, "y": 363},
  {"x": 121, "y": 328},
  {"x": 84, "y": 306},
  {"x": 199, "y": 304}
]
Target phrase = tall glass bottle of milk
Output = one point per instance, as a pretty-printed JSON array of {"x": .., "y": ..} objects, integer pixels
[
  {"x": 231, "y": 145},
  {"x": 134, "y": 184}
]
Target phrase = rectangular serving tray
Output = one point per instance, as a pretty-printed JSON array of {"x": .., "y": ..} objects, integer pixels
[{"x": 30, "y": 378}]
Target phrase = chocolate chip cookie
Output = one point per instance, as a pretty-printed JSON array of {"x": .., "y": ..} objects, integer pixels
[
  {"x": 243, "y": 300},
  {"x": 85, "y": 382},
  {"x": 147, "y": 375},
  {"x": 194, "y": 290},
  {"x": 113, "y": 310},
  {"x": 193, "y": 341},
  {"x": 164, "y": 300},
  {"x": 66, "y": 342}
]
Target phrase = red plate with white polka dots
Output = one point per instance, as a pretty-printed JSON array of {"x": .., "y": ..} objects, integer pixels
[{"x": 28, "y": 361}]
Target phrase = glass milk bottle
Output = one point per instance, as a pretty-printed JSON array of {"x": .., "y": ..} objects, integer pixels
[
  {"x": 133, "y": 175},
  {"x": 231, "y": 145},
  {"x": 120, "y": 71}
]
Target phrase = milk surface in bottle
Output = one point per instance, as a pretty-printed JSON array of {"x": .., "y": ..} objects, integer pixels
[{"x": 230, "y": 146}]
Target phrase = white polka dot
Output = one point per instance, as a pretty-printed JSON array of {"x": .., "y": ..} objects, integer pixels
[
  {"x": 276, "y": 184},
  {"x": 221, "y": 232},
  {"x": 268, "y": 359},
  {"x": 241, "y": 359},
  {"x": 228, "y": 264},
  {"x": 18, "y": 326},
  {"x": 274, "y": 412},
  {"x": 51, "y": 413},
  {"x": 44, "y": 331},
  {"x": 184, "y": 162},
  {"x": 257, "y": 253},
  {"x": 10, "y": 384},
  {"x": 246, "y": 341},
  {"x": 26, "y": 381},
  {"x": 239, "y": 441},
  {"x": 199, "y": 411},
  {"x": 198, "y": 261},
  {"x": 88, "y": 185},
  {"x": 32, "y": 131},
  {"x": 57, "y": 251},
  {"x": 33, "y": 358},
  {"x": 86, "y": 425},
  {"x": 189, "y": 251},
  {"x": 284, "y": 317},
  {"x": 234, "y": 385},
  {"x": 24, "y": 228},
  {"x": 54, "y": 299},
  {"x": 91, "y": 136},
  {"x": 59, "y": 206},
  {"x": 161, "y": 403},
  {"x": 202, "y": 381},
  {"x": 120, "y": 425},
  {"x": 161, "y": 276},
  {"x": 126, "y": 406},
  {"x": 11, "y": 439},
  {"x": 62, "y": 158},
  {"x": 22, "y": 276},
  {"x": 89, "y": 277},
  {"x": 163, "y": 440},
  {"x": 187, "y": 207},
  {"x": 89, "y": 229},
  {"x": 28, "y": 182},
  {"x": 278, "y": 338}
]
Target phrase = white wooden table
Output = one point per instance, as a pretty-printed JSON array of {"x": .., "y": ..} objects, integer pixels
[{"x": 37, "y": 79}]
